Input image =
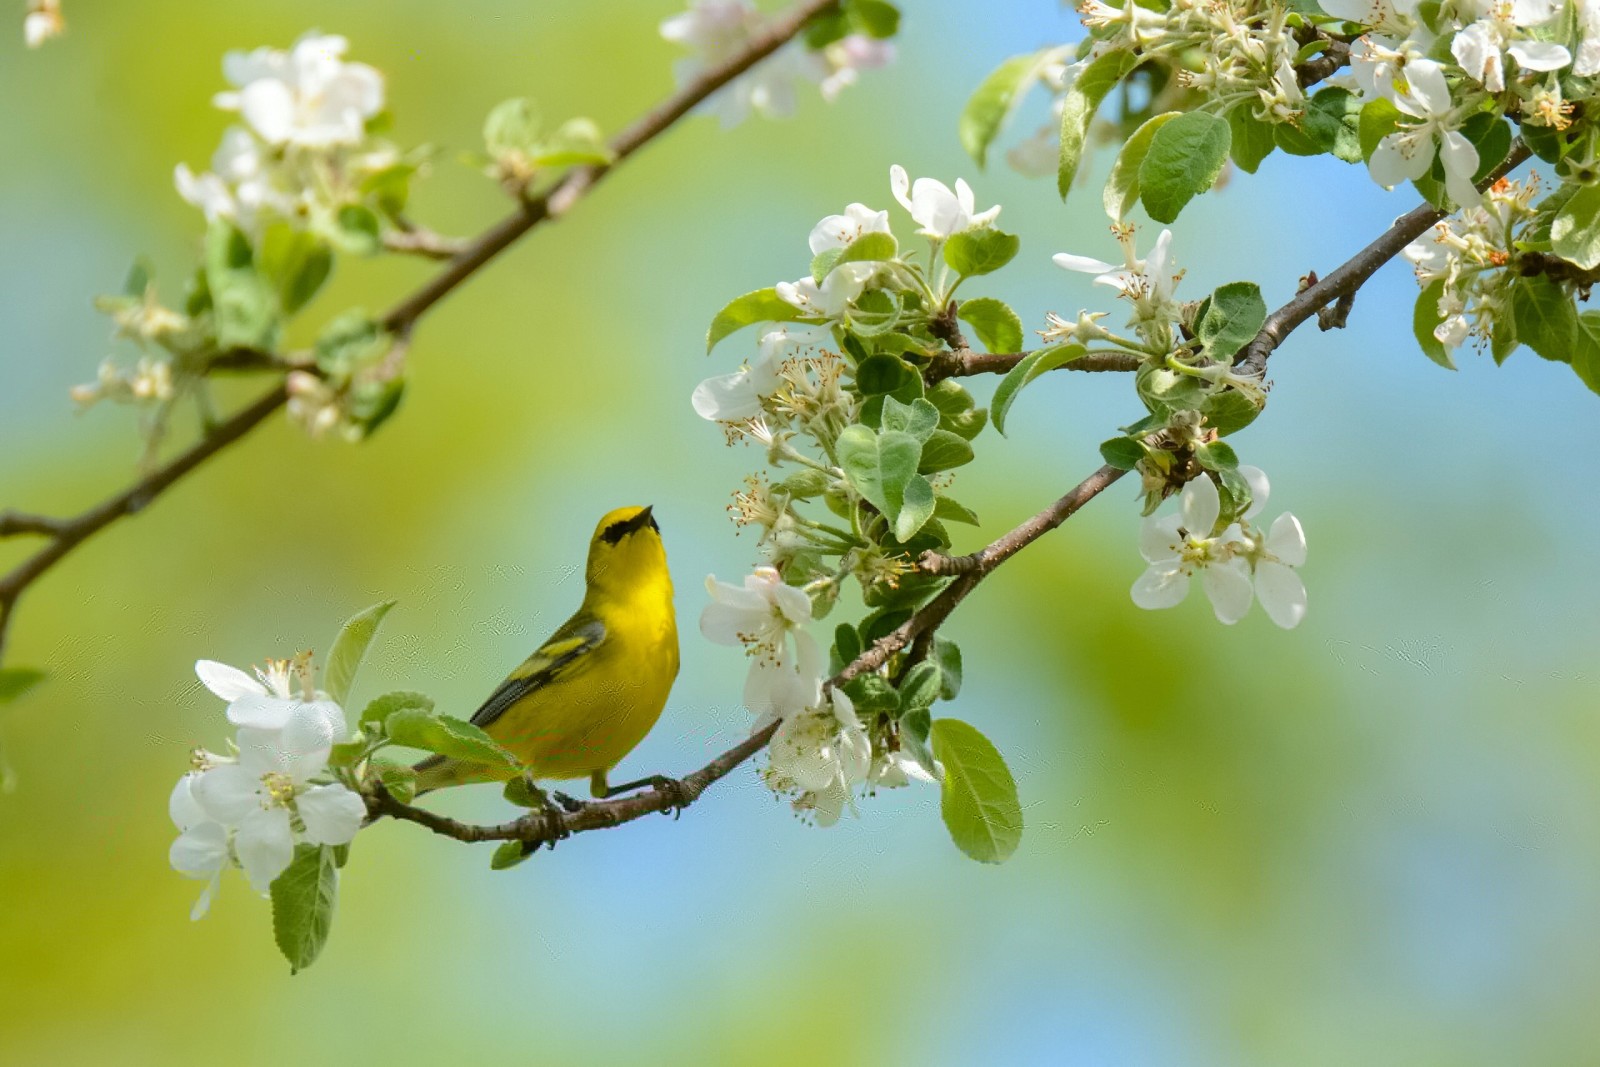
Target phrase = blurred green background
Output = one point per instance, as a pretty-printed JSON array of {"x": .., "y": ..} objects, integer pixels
[{"x": 1372, "y": 840}]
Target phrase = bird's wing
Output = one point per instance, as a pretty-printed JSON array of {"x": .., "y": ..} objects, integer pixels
[{"x": 578, "y": 637}]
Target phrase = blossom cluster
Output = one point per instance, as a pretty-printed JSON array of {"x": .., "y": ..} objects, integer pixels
[
  {"x": 714, "y": 31},
  {"x": 42, "y": 22},
  {"x": 302, "y": 150},
  {"x": 272, "y": 789}
]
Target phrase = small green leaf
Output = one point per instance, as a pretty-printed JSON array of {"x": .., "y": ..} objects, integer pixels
[
  {"x": 992, "y": 104},
  {"x": 1379, "y": 118},
  {"x": 297, "y": 263},
  {"x": 871, "y": 693},
  {"x": 875, "y": 18},
  {"x": 1080, "y": 104},
  {"x": 1252, "y": 139},
  {"x": 917, "y": 503},
  {"x": 399, "y": 780},
  {"x": 881, "y": 374},
  {"x": 1232, "y": 318},
  {"x": 379, "y": 710},
  {"x": 1545, "y": 317},
  {"x": 917, "y": 418},
  {"x": 513, "y": 126},
  {"x": 878, "y": 468},
  {"x": 244, "y": 304},
  {"x": 357, "y": 230},
  {"x": 1185, "y": 157},
  {"x": 981, "y": 250},
  {"x": 873, "y": 247},
  {"x": 921, "y": 687},
  {"x": 1123, "y": 453},
  {"x": 1122, "y": 186},
  {"x": 997, "y": 326},
  {"x": 914, "y": 727},
  {"x": 508, "y": 854},
  {"x": 1425, "y": 318},
  {"x": 1575, "y": 232},
  {"x": 16, "y": 681},
  {"x": 979, "y": 798},
  {"x": 944, "y": 451},
  {"x": 1229, "y": 411},
  {"x": 349, "y": 647},
  {"x": 1333, "y": 121},
  {"x": 846, "y": 646},
  {"x": 1586, "y": 349},
  {"x": 948, "y": 510},
  {"x": 447, "y": 736},
  {"x": 303, "y": 900},
  {"x": 1217, "y": 456},
  {"x": 523, "y": 793},
  {"x": 947, "y": 654},
  {"x": 1035, "y": 364},
  {"x": 763, "y": 305}
]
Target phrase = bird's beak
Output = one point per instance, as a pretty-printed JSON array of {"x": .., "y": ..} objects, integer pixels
[{"x": 644, "y": 516}]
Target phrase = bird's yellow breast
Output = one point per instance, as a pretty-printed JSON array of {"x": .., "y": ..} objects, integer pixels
[{"x": 592, "y": 716}]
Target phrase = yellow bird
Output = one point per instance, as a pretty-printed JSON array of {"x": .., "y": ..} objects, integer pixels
[{"x": 582, "y": 702}]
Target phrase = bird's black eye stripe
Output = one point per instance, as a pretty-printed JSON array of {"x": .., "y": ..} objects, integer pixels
[{"x": 614, "y": 533}]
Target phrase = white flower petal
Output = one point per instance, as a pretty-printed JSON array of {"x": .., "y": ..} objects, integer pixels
[
  {"x": 182, "y": 806},
  {"x": 229, "y": 683},
  {"x": 1227, "y": 586},
  {"x": 1159, "y": 539},
  {"x": 259, "y": 711},
  {"x": 900, "y": 185},
  {"x": 1081, "y": 264},
  {"x": 1260, "y": 489},
  {"x": 264, "y": 845},
  {"x": 727, "y": 398},
  {"x": 228, "y": 793},
  {"x": 1282, "y": 593},
  {"x": 1201, "y": 505},
  {"x": 200, "y": 851},
  {"x": 1287, "y": 540},
  {"x": 1539, "y": 55},
  {"x": 1163, "y": 585},
  {"x": 332, "y": 814},
  {"x": 202, "y": 904}
]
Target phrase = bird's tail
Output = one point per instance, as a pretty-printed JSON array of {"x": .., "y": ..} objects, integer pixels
[{"x": 436, "y": 772}]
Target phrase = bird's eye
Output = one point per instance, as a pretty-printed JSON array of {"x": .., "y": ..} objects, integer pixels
[{"x": 614, "y": 533}]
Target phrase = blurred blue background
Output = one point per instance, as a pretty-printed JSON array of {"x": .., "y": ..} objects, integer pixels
[{"x": 1371, "y": 840}]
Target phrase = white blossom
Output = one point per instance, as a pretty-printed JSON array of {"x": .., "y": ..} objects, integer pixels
[
  {"x": 891, "y": 770},
  {"x": 1177, "y": 546},
  {"x": 738, "y": 396},
  {"x": 307, "y": 723},
  {"x": 1587, "y": 61},
  {"x": 820, "y": 753},
  {"x": 42, "y": 22},
  {"x": 714, "y": 31},
  {"x": 848, "y": 57},
  {"x": 1481, "y": 48},
  {"x": 1383, "y": 16},
  {"x": 1408, "y": 153},
  {"x": 831, "y": 299},
  {"x": 768, "y": 617},
  {"x": 307, "y": 97},
  {"x": 935, "y": 208},
  {"x": 1148, "y": 283},
  {"x": 201, "y": 849}
]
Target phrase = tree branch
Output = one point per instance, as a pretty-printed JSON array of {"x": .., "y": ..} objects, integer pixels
[
  {"x": 965, "y": 363},
  {"x": 1354, "y": 272},
  {"x": 68, "y": 534}
]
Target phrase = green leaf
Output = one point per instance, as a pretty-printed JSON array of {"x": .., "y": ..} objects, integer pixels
[
  {"x": 1425, "y": 318},
  {"x": 1379, "y": 118},
  {"x": 380, "y": 708},
  {"x": 357, "y": 230},
  {"x": 917, "y": 505},
  {"x": 997, "y": 326},
  {"x": 958, "y": 412},
  {"x": 881, "y": 374},
  {"x": 1229, "y": 411},
  {"x": 846, "y": 646},
  {"x": 763, "y": 305},
  {"x": 917, "y": 418},
  {"x": 1232, "y": 318},
  {"x": 1185, "y": 157},
  {"x": 523, "y": 793},
  {"x": 981, "y": 250},
  {"x": 16, "y": 681},
  {"x": 872, "y": 693},
  {"x": 297, "y": 263},
  {"x": 1217, "y": 456},
  {"x": 948, "y": 510},
  {"x": 1252, "y": 139},
  {"x": 508, "y": 854},
  {"x": 1035, "y": 364},
  {"x": 1575, "y": 232},
  {"x": 875, "y": 18},
  {"x": 1123, "y": 453},
  {"x": 140, "y": 277},
  {"x": 1491, "y": 136},
  {"x": 244, "y": 304},
  {"x": 868, "y": 248},
  {"x": 390, "y": 187},
  {"x": 1333, "y": 122},
  {"x": 947, "y": 654},
  {"x": 1122, "y": 186},
  {"x": 399, "y": 780},
  {"x": 1586, "y": 349},
  {"x": 1546, "y": 319},
  {"x": 348, "y": 648},
  {"x": 979, "y": 798},
  {"x": 303, "y": 899},
  {"x": 513, "y": 126},
  {"x": 879, "y": 466},
  {"x": 944, "y": 451},
  {"x": 921, "y": 687},
  {"x": 456, "y": 738},
  {"x": 992, "y": 104},
  {"x": 914, "y": 727},
  {"x": 1080, "y": 104}
]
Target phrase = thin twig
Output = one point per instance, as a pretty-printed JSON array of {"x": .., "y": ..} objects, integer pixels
[
  {"x": 15, "y": 522},
  {"x": 67, "y": 534},
  {"x": 420, "y": 241},
  {"x": 964, "y": 363}
]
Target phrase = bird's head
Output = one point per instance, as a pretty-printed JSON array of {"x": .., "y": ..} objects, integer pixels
[{"x": 626, "y": 551}]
